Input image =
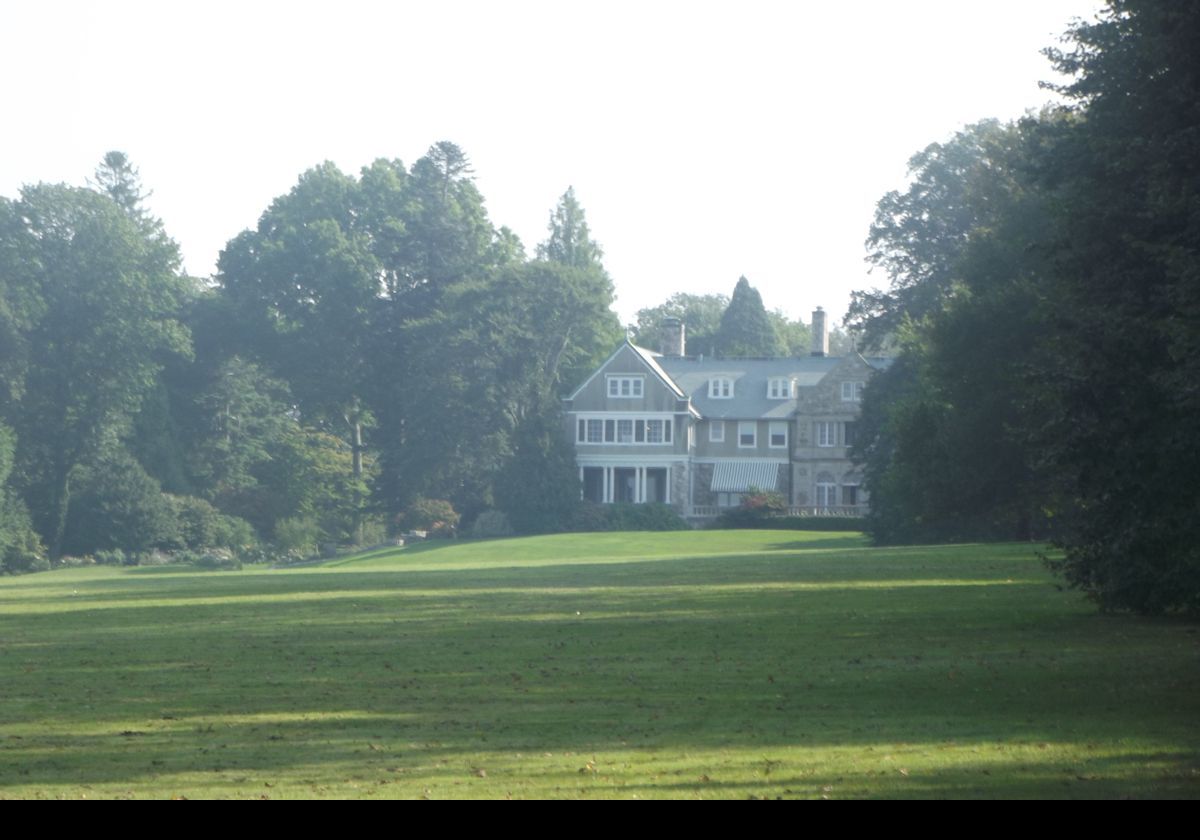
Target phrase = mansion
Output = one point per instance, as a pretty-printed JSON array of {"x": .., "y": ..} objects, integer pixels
[{"x": 696, "y": 433}]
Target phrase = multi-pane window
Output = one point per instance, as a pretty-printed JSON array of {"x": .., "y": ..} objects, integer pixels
[
  {"x": 779, "y": 388},
  {"x": 827, "y": 433},
  {"x": 778, "y": 435},
  {"x": 654, "y": 431},
  {"x": 720, "y": 388},
  {"x": 625, "y": 387},
  {"x": 623, "y": 430},
  {"x": 747, "y": 434},
  {"x": 852, "y": 391},
  {"x": 716, "y": 431}
]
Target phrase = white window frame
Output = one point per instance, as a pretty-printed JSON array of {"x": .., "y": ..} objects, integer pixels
[
  {"x": 660, "y": 427},
  {"x": 777, "y": 427},
  {"x": 752, "y": 425},
  {"x": 720, "y": 388},
  {"x": 826, "y": 433},
  {"x": 779, "y": 388},
  {"x": 826, "y": 495},
  {"x": 716, "y": 431},
  {"x": 852, "y": 391},
  {"x": 624, "y": 429},
  {"x": 626, "y": 387}
]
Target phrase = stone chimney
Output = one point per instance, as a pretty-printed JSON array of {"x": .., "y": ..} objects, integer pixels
[
  {"x": 674, "y": 342},
  {"x": 820, "y": 333}
]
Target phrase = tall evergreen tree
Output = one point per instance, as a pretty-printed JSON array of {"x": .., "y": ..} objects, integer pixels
[
  {"x": 570, "y": 241},
  {"x": 746, "y": 329}
]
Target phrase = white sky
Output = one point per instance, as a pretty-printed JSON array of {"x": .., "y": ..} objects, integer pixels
[{"x": 704, "y": 140}]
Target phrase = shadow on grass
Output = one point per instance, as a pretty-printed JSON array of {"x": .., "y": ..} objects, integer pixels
[{"x": 360, "y": 674}]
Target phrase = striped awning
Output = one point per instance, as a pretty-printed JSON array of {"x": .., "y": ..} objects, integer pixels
[{"x": 738, "y": 477}]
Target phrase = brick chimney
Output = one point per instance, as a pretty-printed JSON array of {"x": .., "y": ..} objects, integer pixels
[
  {"x": 674, "y": 342},
  {"x": 820, "y": 333}
]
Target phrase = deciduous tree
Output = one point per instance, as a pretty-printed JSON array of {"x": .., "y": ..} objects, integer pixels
[{"x": 104, "y": 299}]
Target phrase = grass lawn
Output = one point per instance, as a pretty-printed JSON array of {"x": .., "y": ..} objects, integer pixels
[{"x": 706, "y": 664}]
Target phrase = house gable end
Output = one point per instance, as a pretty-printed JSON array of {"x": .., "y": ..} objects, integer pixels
[{"x": 628, "y": 381}]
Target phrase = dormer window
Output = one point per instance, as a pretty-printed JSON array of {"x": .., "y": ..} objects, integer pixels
[
  {"x": 852, "y": 391},
  {"x": 779, "y": 388},
  {"x": 720, "y": 388},
  {"x": 626, "y": 387}
]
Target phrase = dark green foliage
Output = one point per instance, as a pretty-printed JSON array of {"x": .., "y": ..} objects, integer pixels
[
  {"x": 119, "y": 505},
  {"x": 794, "y": 523},
  {"x": 101, "y": 293},
  {"x": 944, "y": 431},
  {"x": 437, "y": 516},
  {"x": 200, "y": 525},
  {"x": 1046, "y": 294},
  {"x": 541, "y": 478},
  {"x": 20, "y": 548},
  {"x": 491, "y": 524},
  {"x": 746, "y": 329},
  {"x": 627, "y": 517},
  {"x": 1122, "y": 411}
]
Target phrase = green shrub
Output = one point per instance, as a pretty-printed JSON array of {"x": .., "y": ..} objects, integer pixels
[
  {"x": 647, "y": 517},
  {"x": 297, "y": 536},
  {"x": 589, "y": 517},
  {"x": 18, "y": 562},
  {"x": 111, "y": 557},
  {"x": 436, "y": 516},
  {"x": 624, "y": 516},
  {"x": 491, "y": 524},
  {"x": 794, "y": 523}
]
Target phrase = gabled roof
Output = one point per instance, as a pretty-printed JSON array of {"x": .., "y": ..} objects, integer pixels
[
  {"x": 651, "y": 359},
  {"x": 647, "y": 358}
]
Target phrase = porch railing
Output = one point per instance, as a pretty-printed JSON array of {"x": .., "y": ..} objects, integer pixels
[{"x": 849, "y": 512}]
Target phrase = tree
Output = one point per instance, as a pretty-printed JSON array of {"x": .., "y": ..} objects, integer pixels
[
  {"x": 570, "y": 240},
  {"x": 746, "y": 329},
  {"x": 20, "y": 548},
  {"x": 104, "y": 298},
  {"x": 307, "y": 283},
  {"x": 795, "y": 336},
  {"x": 1118, "y": 392},
  {"x": 919, "y": 236},
  {"x": 542, "y": 474},
  {"x": 700, "y": 314},
  {"x": 496, "y": 350}
]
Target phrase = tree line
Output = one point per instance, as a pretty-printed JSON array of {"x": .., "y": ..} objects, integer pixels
[
  {"x": 375, "y": 342},
  {"x": 1045, "y": 290},
  {"x": 375, "y": 339}
]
